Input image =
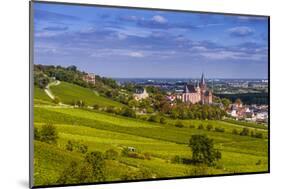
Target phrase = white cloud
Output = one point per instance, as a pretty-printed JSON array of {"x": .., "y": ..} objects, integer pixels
[
  {"x": 159, "y": 19},
  {"x": 241, "y": 31},
  {"x": 136, "y": 54}
]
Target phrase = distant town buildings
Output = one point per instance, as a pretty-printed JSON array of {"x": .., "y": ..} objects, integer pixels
[
  {"x": 197, "y": 94},
  {"x": 140, "y": 94},
  {"x": 252, "y": 113},
  {"x": 90, "y": 78}
]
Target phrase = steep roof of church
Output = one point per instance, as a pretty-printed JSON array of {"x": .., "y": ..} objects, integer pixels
[
  {"x": 189, "y": 89},
  {"x": 202, "y": 81}
]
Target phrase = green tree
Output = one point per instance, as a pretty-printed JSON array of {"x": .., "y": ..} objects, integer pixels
[{"x": 203, "y": 150}]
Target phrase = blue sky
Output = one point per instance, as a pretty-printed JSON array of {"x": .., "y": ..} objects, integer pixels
[{"x": 117, "y": 42}]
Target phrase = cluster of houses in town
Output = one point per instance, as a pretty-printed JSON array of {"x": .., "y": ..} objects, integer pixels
[
  {"x": 200, "y": 94},
  {"x": 253, "y": 113}
]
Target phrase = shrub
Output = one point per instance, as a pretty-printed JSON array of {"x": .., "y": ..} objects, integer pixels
[
  {"x": 96, "y": 107},
  {"x": 110, "y": 109},
  {"x": 198, "y": 171},
  {"x": 111, "y": 154},
  {"x": 258, "y": 135},
  {"x": 179, "y": 124},
  {"x": 258, "y": 162},
  {"x": 36, "y": 134},
  {"x": 209, "y": 127},
  {"x": 219, "y": 129},
  {"x": 48, "y": 134},
  {"x": 69, "y": 145},
  {"x": 200, "y": 126},
  {"x": 96, "y": 160},
  {"x": 245, "y": 132},
  {"x": 163, "y": 120},
  {"x": 176, "y": 159},
  {"x": 153, "y": 118},
  {"x": 128, "y": 112},
  {"x": 143, "y": 173},
  {"x": 82, "y": 148},
  {"x": 76, "y": 173},
  {"x": 192, "y": 126},
  {"x": 73, "y": 145},
  {"x": 235, "y": 132},
  {"x": 56, "y": 100}
]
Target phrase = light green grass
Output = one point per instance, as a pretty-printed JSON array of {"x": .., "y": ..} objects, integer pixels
[
  {"x": 68, "y": 93},
  {"x": 41, "y": 98},
  {"x": 102, "y": 131}
]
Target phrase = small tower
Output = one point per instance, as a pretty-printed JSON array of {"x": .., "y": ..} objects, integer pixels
[
  {"x": 203, "y": 88},
  {"x": 202, "y": 83}
]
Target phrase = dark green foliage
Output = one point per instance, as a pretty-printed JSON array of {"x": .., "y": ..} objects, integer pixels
[
  {"x": 56, "y": 100},
  {"x": 142, "y": 173},
  {"x": 176, "y": 159},
  {"x": 258, "y": 135},
  {"x": 76, "y": 173},
  {"x": 36, "y": 134},
  {"x": 40, "y": 79},
  {"x": 48, "y": 134},
  {"x": 179, "y": 124},
  {"x": 96, "y": 107},
  {"x": 235, "y": 132},
  {"x": 110, "y": 109},
  {"x": 73, "y": 145},
  {"x": 96, "y": 160},
  {"x": 219, "y": 129},
  {"x": 198, "y": 171},
  {"x": 163, "y": 120},
  {"x": 210, "y": 127},
  {"x": 154, "y": 118},
  {"x": 245, "y": 132},
  {"x": 196, "y": 111},
  {"x": 192, "y": 126},
  {"x": 247, "y": 98},
  {"x": 111, "y": 154},
  {"x": 203, "y": 150},
  {"x": 128, "y": 112},
  {"x": 258, "y": 162},
  {"x": 200, "y": 126}
]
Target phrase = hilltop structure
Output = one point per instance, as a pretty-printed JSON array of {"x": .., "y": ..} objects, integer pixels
[
  {"x": 140, "y": 94},
  {"x": 90, "y": 78},
  {"x": 197, "y": 94}
]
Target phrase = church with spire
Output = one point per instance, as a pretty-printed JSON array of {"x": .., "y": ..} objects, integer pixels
[{"x": 197, "y": 94}]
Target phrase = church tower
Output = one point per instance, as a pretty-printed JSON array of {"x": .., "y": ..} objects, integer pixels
[{"x": 203, "y": 87}]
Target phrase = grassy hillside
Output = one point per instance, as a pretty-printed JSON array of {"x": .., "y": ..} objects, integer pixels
[
  {"x": 40, "y": 97},
  {"x": 68, "y": 93},
  {"x": 102, "y": 131}
]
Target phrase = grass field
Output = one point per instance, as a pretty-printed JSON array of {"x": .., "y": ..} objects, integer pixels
[
  {"x": 40, "y": 97},
  {"x": 102, "y": 131},
  {"x": 68, "y": 93}
]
